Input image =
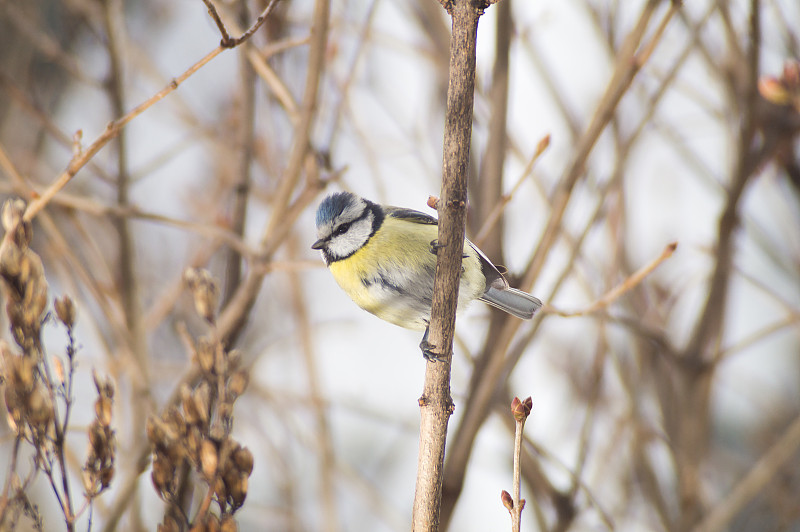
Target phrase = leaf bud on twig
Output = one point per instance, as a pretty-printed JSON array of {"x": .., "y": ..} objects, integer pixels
[{"x": 521, "y": 409}]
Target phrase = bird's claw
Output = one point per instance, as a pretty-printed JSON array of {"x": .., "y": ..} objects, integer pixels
[{"x": 429, "y": 353}]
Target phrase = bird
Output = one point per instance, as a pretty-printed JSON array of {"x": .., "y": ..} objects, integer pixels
[{"x": 384, "y": 258}]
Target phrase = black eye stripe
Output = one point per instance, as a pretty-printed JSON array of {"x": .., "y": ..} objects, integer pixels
[{"x": 342, "y": 229}]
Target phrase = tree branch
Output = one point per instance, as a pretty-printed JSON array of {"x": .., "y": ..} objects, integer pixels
[{"x": 435, "y": 403}]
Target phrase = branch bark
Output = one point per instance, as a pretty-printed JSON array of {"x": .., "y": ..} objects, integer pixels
[{"x": 435, "y": 403}]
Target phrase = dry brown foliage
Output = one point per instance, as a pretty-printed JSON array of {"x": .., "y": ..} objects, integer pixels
[{"x": 141, "y": 140}]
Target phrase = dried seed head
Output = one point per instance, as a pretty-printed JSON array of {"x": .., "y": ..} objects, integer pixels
[
  {"x": 163, "y": 476},
  {"x": 40, "y": 410},
  {"x": 102, "y": 409},
  {"x": 205, "y": 292},
  {"x": 174, "y": 420},
  {"x": 14, "y": 222},
  {"x": 65, "y": 310},
  {"x": 234, "y": 358},
  {"x": 205, "y": 352},
  {"x": 89, "y": 481},
  {"x": 202, "y": 401},
  {"x": 13, "y": 211},
  {"x": 106, "y": 474},
  {"x": 220, "y": 489},
  {"x": 169, "y": 525},
  {"x": 238, "y": 383},
  {"x": 229, "y": 524},
  {"x": 104, "y": 386},
  {"x": 208, "y": 458},
  {"x": 225, "y": 411},
  {"x": 237, "y": 491},
  {"x": 23, "y": 274},
  {"x": 189, "y": 406},
  {"x": 243, "y": 459},
  {"x": 206, "y": 523}
]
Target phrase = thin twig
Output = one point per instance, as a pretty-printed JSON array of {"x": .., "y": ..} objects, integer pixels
[{"x": 618, "y": 291}]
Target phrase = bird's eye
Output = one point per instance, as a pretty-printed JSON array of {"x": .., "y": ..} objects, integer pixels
[{"x": 342, "y": 229}]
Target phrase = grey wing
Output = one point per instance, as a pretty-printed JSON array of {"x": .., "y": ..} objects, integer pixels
[
  {"x": 410, "y": 215},
  {"x": 493, "y": 276},
  {"x": 500, "y": 295}
]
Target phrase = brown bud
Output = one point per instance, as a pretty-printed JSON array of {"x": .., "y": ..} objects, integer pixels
[
  {"x": 521, "y": 409},
  {"x": 508, "y": 502},
  {"x": 544, "y": 143},
  {"x": 65, "y": 310},
  {"x": 773, "y": 90}
]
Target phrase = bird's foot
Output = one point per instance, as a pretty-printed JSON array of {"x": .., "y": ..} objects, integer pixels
[
  {"x": 435, "y": 246},
  {"x": 428, "y": 349}
]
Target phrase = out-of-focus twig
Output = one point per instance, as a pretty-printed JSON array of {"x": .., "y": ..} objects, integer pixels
[
  {"x": 626, "y": 68},
  {"x": 619, "y": 290},
  {"x": 762, "y": 472}
]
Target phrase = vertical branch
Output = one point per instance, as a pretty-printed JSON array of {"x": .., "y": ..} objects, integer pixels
[
  {"x": 128, "y": 284},
  {"x": 233, "y": 259},
  {"x": 628, "y": 64},
  {"x": 436, "y": 404}
]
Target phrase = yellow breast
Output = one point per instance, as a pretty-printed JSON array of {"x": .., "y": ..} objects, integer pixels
[{"x": 391, "y": 276}]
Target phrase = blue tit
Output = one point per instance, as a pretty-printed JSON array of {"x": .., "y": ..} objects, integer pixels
[{"x": 384, "y": 258}]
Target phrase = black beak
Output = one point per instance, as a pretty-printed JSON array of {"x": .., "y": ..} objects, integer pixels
[{"x": 319, "y": 244}]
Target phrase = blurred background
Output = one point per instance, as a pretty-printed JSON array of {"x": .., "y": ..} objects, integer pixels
[{"x": 675, "y": 407}]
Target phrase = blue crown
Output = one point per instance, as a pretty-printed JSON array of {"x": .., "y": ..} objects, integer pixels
[{"x": 332, "y": 206}]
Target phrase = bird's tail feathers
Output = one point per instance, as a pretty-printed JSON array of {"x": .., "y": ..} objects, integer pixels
[{"x": 516, "y": 302}]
